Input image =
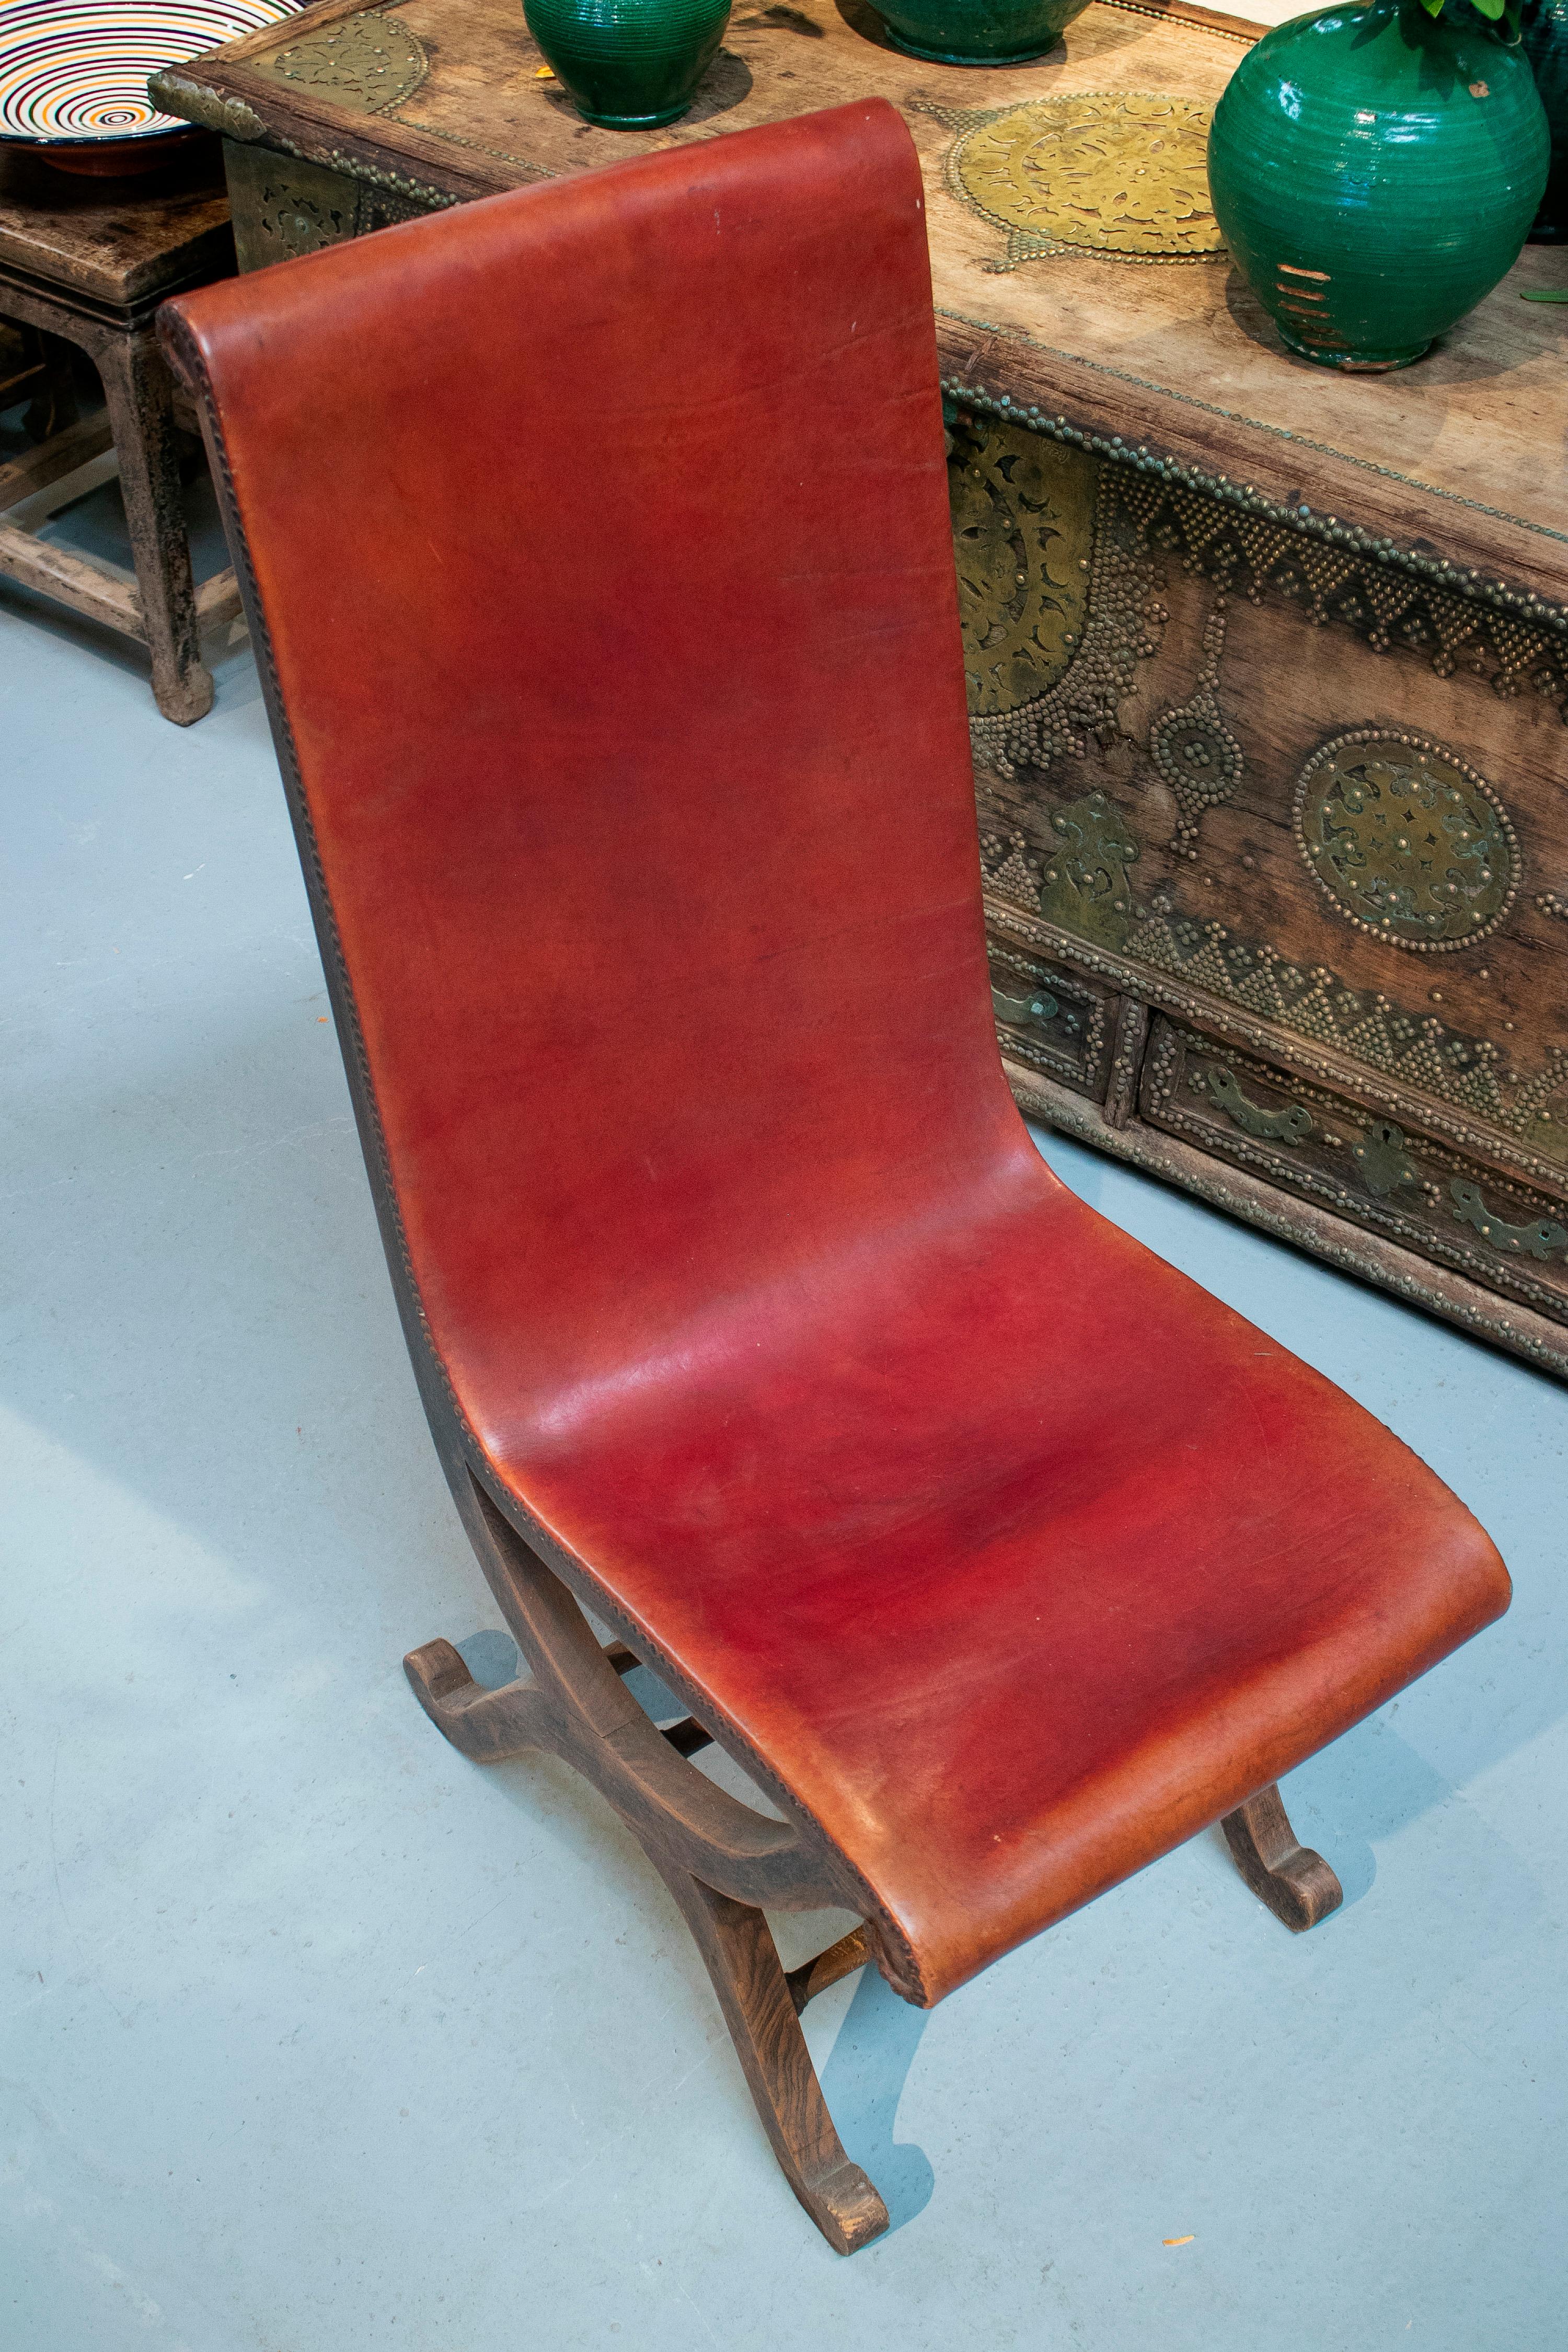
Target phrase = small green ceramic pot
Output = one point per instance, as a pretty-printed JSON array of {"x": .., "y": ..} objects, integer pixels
[
  {"x": 978, "y": 32},
  {"x": 1374, "y": 171},
  {"x": 1546, "y": 46},
  {"x": 628, "y": 65}
]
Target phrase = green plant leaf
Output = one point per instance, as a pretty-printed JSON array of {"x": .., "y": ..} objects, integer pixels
[{"x": 1433, "y": 7}]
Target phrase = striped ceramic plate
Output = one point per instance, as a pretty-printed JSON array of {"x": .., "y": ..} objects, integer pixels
[{"x": 77, "y": 69}]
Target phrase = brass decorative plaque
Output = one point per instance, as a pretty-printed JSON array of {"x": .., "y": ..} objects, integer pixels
[
  {"x": 1406, "y": 840},
  {"x": 367, "y": 62},
  {"x": 1023, "y": 527},
  {"x": 1120, "y": 173},
  {"x": 1086, "y": 887},
  {"x": 1058, "y": 608}
]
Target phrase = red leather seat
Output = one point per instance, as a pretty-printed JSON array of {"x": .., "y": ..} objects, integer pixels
[
  {"x": 1016, "y": 1556},
  {"x": 600, "y": 538}
]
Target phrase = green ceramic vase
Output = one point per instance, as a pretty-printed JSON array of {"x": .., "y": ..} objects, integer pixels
[
  {"x": 628, "y": 65},
  {"x": 1374, "y": 171},
  {"x": 1545, "y": 35},
  {"x": 978, "y": 32}
]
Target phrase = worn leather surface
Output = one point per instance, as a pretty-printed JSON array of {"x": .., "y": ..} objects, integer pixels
[{"x": 601, "y": 540}]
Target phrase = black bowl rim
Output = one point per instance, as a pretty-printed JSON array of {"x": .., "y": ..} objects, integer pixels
[{"x": 171, "y": 128}]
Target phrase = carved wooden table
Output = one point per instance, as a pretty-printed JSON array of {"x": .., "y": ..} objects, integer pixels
[
  {"x": 89, "y": 260},
  {"x": 1267, "y": 666}
]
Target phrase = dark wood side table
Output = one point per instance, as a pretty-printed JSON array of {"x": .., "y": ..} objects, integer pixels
[
  {"x": 1267, "y": 666},
  {"x": 89, "y": 261}
]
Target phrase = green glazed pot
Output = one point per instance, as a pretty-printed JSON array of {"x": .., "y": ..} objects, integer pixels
[
  {"x": 628, "y": 65},
  {"x": 1545, "y": 35},
  {"x": 978, "y": 32},
  {"x": 1374, "y": 171}
]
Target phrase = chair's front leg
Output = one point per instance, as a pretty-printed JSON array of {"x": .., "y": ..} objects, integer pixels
[
  {"x": 1296, "y": 1884},
  {"x": 737, "y": 1944},
  {"x": 575, "y": 1706}
]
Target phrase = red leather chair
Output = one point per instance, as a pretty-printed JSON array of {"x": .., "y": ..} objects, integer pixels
[{"x": 597, "y": 553}]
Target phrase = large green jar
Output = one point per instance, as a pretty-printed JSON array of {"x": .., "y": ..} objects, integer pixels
[
  {"x": 978, "y": 32},
  {"x": 629, "y": 65},
  {"x": 1374, "y": 171},
  {"x": 1545, "y": 33}
]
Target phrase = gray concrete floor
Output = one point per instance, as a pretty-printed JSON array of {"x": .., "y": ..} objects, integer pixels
[{"x": 316, "y": 2038}]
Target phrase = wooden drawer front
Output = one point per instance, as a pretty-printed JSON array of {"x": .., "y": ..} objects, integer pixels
[
  {"x": 1358, "y": 1163},
  {"x": 1053, "y": 1019}
]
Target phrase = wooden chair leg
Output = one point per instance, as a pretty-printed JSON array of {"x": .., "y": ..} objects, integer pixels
[
  {"x": 487, "y": 1725},
  {"x": 1296, "y": 1884},
  {"x": 139, "y": 390},
  {"x": 737, "y": 1944},
  {"x": 761, "y": 2004},
  {"x": 840, "y": 1960}
]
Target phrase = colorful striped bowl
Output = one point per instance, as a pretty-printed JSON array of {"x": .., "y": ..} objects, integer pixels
[{"x": 73, "y": 73}]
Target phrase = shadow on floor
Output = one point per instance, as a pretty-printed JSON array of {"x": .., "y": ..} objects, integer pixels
[{"x": 863, "y": 2082}]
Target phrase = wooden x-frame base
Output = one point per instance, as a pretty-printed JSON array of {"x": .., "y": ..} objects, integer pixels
[{"x": 726, "y": 1864}]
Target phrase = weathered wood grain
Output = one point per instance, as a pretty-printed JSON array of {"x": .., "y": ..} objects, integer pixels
[
  {"x": 87, "y": 587},
  {"x": 119, "y": 249},
  {"x": 87, "y": 262},
  {"x": 1177, "y": 356}
]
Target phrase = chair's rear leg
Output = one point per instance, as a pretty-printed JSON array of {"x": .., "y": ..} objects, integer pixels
[
  {"x": 840, "y": 1960},
  {"x": 742, "y": 1960},
  {"x": 487, "y": 1725},
  {"x": 1296, "y": 1884}
]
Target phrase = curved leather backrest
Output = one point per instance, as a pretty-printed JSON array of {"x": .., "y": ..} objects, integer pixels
[{"x": 601, "y": 535}]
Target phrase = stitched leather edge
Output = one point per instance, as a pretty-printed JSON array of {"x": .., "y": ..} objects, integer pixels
[{"x": 185, "y": 355}]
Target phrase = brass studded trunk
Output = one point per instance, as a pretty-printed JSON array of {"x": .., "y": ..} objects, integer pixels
[
  {"x": 1296, "y": 817},
  {"x": 1267, "y": 666}
]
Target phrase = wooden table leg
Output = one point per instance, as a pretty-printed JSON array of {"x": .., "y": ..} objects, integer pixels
[
  {"x": 55, "y": 406},
  {"x": 39, "y": 364},
  {"x": 139, "y": 390}
]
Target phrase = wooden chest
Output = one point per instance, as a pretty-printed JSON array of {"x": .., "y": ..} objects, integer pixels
[{"x": 1268, "y": 666}]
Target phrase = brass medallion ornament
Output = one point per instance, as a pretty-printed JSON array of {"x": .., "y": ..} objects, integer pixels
[
  {"x": 1121, "y": 175},
  {"x": 1406, "y": 840},
  {"x": 367, "y": 63}
]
